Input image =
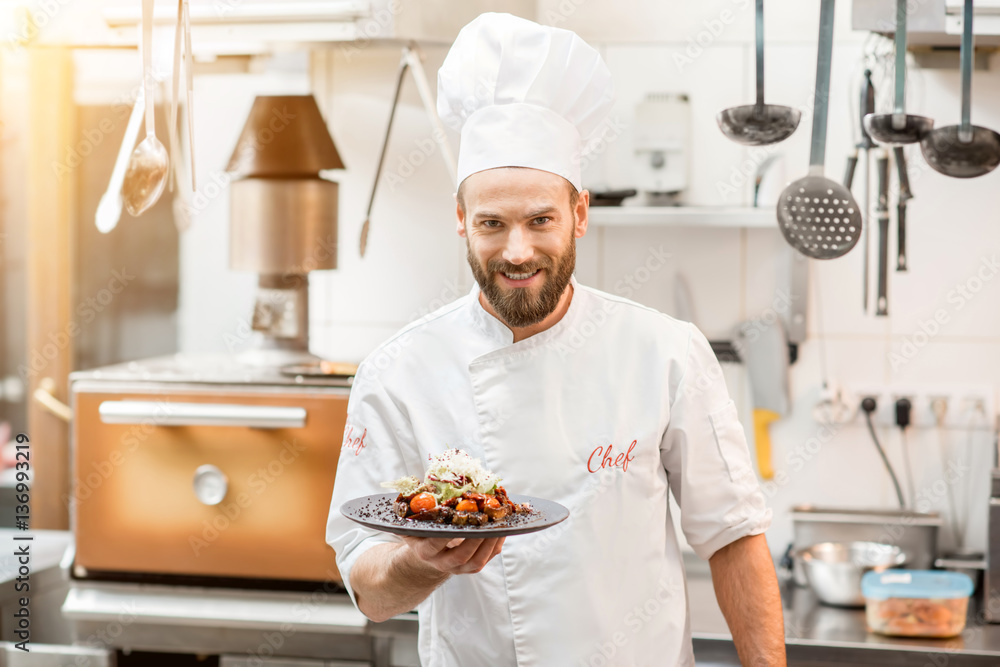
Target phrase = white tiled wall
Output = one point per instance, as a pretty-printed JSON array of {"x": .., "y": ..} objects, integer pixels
[{"x": 415, "y": 261}]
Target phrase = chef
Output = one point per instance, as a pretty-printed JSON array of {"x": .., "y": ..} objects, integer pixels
[{"x": 565, "y": 392}]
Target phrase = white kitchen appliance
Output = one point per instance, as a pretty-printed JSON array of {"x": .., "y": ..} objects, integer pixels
[{"x": 661, "y": 139}]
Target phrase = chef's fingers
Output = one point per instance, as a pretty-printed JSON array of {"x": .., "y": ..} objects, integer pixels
[
  {"x": 478, "y": 559},
  {"x": 428, "y": 547},
  {"x": 497, "y": 548},
  {"x": 484, "y": 554}
]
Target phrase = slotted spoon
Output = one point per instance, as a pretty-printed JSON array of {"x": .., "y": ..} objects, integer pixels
[{"x": 817, "y": 215}]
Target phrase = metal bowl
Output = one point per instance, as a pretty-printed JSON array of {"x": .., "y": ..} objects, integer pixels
[{"x": 834, "y": 569}]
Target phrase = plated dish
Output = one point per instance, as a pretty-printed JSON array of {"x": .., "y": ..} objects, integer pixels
[{"x": 457, "y": 496}]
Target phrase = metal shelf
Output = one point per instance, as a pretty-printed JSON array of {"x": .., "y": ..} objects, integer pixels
[{"x": 683, "y": 216}]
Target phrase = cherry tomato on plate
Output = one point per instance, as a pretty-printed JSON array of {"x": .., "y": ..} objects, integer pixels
[
  {"x": 422, "y": 501},
  {"x": 467, "y": 505}
]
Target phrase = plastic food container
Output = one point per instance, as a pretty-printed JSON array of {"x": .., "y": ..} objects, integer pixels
[{"x": 916, "y": 603}]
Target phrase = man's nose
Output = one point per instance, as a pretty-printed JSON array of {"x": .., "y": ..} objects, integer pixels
[{"x": 518, "y": 249}]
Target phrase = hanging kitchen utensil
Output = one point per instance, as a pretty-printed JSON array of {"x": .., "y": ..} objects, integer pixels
[
  {"x": 403, "y": 65},
  {"x": 189, "y": 101},
  {"x": 174, "y": 94},
  {"x": 766, "y": 358},
  {"x": 866, "y": 145},
  {"x": 904, "y": 196},
  {"x": 146, "y": 175},
  {"x": 759, "y": 124},
  {"x": 109, "y": 209},
  {"x": 966, "y": 150},
  {"x": 882, "y": 213},
  {"x": 898, "y": 127},
  {"x": 817, "y": 215},
  {"x": 852, "y": 164}
]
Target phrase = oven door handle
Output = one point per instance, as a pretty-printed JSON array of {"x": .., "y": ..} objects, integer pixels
[{"x": 201, "y": 414}]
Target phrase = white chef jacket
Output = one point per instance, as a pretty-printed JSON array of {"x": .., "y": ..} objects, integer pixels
[{"x": 603, "y": 412}]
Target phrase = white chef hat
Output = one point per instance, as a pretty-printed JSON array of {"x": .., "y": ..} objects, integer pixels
[{"x": 523, "y": 95}]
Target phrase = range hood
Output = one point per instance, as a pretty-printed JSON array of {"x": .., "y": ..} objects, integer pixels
[
  {"x": 930, "y": 23},
  {"x": 248, "y": 27}
]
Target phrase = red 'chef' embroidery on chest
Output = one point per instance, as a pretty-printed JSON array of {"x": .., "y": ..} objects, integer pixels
[
  {"x": 605, "y": 457},
  {"x": 354, "y": 443}
]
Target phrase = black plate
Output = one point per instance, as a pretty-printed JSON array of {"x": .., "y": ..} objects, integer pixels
[{"x": 376, "y": 512}]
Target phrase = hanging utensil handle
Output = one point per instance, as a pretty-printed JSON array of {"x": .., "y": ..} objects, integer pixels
[
  {"x": 904, "y": 196},
  {"x": 174, "y": 91},
  {"x": 824, "y": 56},
  {"x": 852, "y": 163},
  {"x": 404, "y": 64},
  {"x": 867, "y": 107},
  {"x": 900, "y": 57},
  {"x": 189, "y": 75},
  {"x": 968, "y": 47},
  {"x": 882, "y": 211},
  {"x": 760, "y": 53},
  {"x": 901, "y": 237},
  {"x": 147, "y": 64}
]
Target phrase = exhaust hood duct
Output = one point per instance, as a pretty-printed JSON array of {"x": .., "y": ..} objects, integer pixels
[{"x": 283, "y": 219}]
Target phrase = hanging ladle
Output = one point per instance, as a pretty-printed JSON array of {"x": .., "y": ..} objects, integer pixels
[
  {"x": 146, "y": 175},
  {"x": 759, "y": 124},
  {"x": 966, "y": 150},
  {"x": 898, "y": 127}
]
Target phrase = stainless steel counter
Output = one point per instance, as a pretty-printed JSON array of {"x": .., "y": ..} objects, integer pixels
[
  {"x": 209, "y": 621},
  {"x": 838, "y": 636}
]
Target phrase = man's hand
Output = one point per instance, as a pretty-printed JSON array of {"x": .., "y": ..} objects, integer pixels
[
  {"x": 391, "y": 579},
  {"x": 454, "y": 556}
]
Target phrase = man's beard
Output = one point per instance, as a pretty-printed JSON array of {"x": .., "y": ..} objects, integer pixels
[{"x": 521, "y": 307}]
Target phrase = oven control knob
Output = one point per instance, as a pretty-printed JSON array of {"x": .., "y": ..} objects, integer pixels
[{"x": 210, "y": 484}]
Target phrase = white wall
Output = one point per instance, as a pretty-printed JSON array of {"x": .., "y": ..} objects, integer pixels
[{"x": 415, "y": 261}]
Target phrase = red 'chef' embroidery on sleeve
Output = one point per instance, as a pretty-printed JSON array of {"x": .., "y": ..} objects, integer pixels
[
  {"x": 603, "y": 457},
  {"x": 354, "y": 442}
]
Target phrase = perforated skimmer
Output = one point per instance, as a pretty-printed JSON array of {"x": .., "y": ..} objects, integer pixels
[{"x": 817, "y": 215}]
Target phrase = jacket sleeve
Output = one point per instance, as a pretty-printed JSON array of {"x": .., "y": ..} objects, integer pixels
[
  {"x": 374, "y": 435},
  {"x": 704, "y": 452}
]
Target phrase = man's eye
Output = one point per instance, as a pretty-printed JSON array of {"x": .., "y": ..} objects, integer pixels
[
  {"x": 542, "y": 220},
  {"x": 491, "y": 223}
]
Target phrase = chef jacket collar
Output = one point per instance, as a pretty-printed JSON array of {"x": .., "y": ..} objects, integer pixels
[{"x": 501, "y": 334}]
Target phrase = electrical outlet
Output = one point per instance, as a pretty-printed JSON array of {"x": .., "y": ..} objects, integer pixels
[{"x": 961, "y": 405}]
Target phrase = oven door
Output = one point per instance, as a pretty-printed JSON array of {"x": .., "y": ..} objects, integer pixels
[{"x": 205, "y": 482}]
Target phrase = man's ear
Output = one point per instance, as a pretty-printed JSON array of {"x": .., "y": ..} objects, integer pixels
[
  {"x": 582, "y": 211},
  {"x": 460, "y": 217}
]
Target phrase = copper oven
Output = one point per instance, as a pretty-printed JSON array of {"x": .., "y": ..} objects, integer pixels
[{"x": 204, "y": 470}]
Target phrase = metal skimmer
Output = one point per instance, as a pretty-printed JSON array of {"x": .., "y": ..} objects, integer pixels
[{"x": 817, "y": 215}]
